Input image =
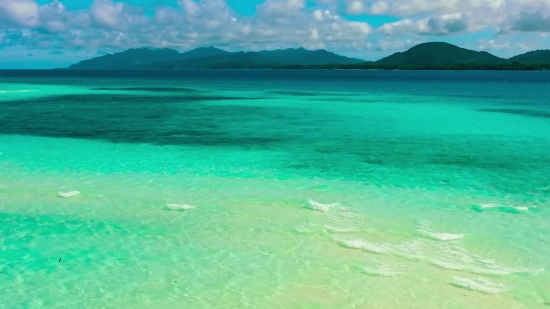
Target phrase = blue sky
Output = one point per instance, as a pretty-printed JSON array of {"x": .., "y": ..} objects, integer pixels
[{"x": 56, "y": 33}]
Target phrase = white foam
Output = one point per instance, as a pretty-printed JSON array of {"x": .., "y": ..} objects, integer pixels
[
  {"x": 322, "y": 207},
  {"x": 519, "y": 208},
  {"x": 67, "y": 194},
  {"x": 364, "y": 245},
  {"x": 16, "y": 91},
  {"x": 483, "y": 206},
  {"x": 411, "y": 250},
  {"x": 479, "y": 285},
  {"x": 500, "y": 271},
  {"x": 452, "y": 257},
  {"x": 179, "y": 207},
  {"x": 441, "y": 236}
]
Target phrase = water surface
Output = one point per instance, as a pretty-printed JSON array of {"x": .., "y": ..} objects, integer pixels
[{"x": 435, "y": 184}]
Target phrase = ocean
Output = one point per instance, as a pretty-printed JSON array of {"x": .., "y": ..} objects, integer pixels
[{"x": 274, "y": 189}]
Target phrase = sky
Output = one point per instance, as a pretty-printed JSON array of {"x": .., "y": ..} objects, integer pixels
[{"x": 56, "y": 33}]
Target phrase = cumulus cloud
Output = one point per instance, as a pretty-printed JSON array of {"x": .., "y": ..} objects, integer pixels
[
  {"x": 534, "y": 22},
  {"x": 434, "y": 25},
  {"x": 485, "y": 44},
  {"x": 411, "y": 7},
  {"x": 392, "y": 44},
  {"x": 19, "y": 13},
  {"x": 114, "y": 25}
]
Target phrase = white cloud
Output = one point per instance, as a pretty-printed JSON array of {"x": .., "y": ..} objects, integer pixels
[
  {"x": 445, "y": 24},
  {"x": 411, "y": 7},
  {"x": 22, "y": 13},
  {"x": 485, "y": 44},
  {"x": 117, "y": 25},
  {"x": 390, "y": 44}
]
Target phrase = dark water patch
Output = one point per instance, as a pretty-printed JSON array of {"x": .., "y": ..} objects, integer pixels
[
  {"x": 359, "y": 99},
  {"x": 333, "y": 95},
  {"x": 160, "y": 120},
  {"x": 103, "y": 99},
  {"x": 477, "y": 96},
  {"x": 433, "y": 161},
  {"x": 150, "y": 89},
  {"x": 479, "y": 152},
  {"x": 320, "y": 143},
  {"x": 297, "y": 93},
  {"x": 521, "y": 112}
]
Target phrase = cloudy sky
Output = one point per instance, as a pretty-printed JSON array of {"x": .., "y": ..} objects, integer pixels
[{"x": 56, "y": 33}]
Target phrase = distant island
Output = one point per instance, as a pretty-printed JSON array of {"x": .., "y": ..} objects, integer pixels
[{"x": 426, "y": 56}]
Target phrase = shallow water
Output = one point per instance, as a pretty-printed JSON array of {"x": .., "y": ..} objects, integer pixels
[{"x": 274, "y": 189}]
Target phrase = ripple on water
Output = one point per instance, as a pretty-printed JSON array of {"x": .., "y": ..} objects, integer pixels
[
  {"x": 479, "y": 285},
  {"x": 502, "y": 208}
]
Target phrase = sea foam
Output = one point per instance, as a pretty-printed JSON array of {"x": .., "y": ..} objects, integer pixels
[
  {"x": 179, "y": 207},
  {"x": 364, "y": 245},
  {"x": 425, "y": 230},
  {"x": 321, "y": 207},
  {"x": 479, "y": 285},
  {"x": 517, "y": 208},
  {"x": 67, "y": 194},
  {"x": 441, "y": 236}
]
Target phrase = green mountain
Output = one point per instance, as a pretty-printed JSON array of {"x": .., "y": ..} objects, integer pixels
[
  {"x": 240, "y": 60},
  {"x": 426, "y": 56},
  {"x": 250, "y": 60},
  {"x": 127, "y": 59},
  {"x": 142, "y": 56},
  {"x": 200, "y": 52},
  {"x": 307, "y": 57},
  {"x": 209, "y": 58},
  {"x": 439, "y": 53},
  {"x": 537, "y": 56}
]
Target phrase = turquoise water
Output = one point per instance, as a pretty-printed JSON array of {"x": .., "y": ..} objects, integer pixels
[{"x": 312, "y": 189}]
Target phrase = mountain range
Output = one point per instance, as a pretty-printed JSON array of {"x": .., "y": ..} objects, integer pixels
[
  {"x": 210, "y": 57},
  {"x": 427, "y": 55}
]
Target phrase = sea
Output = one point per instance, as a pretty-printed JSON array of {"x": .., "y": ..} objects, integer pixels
[{"x": 274, "y": 189}]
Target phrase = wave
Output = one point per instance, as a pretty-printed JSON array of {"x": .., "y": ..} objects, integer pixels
[
  {"x": 425, "y": 230},
  {"x": 452, "y": 257},
  {"x": 16, "y": 91},
  {"x": 503, "y": 207},
  {"x": 364, "y": 245},
  {"x": 493, "y": 270},
  {"x": 179, "y": 207},
  {"x": 68, "y": 194},
  {"x": 441, "y": 236},
  {"x": 448, "y": 256},
  {"x": 479, "y": 285},
  {"x": 321, "y": 207}
]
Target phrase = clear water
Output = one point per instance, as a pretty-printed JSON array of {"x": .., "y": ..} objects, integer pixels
[{"x": 437, "y": 186}]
